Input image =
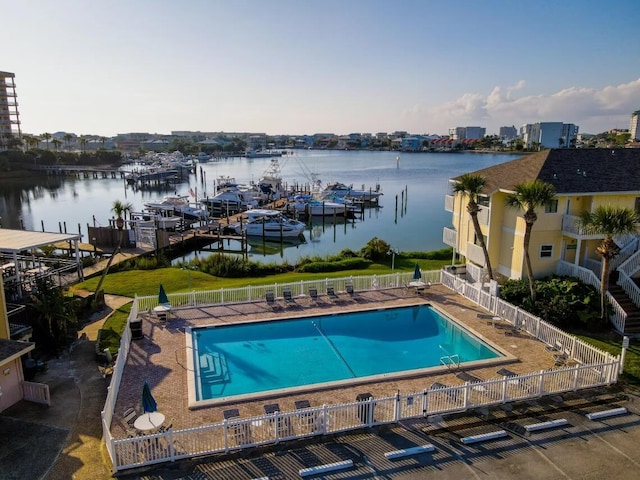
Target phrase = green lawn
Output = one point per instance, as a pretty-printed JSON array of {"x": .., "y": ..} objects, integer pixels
[{"x": 175, "y": 280}]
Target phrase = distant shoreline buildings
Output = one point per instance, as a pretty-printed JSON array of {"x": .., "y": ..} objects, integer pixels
[{"x": 530, "y": 136}]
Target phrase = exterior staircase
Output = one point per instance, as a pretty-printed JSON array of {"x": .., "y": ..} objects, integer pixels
[{"x": 632, "y": 324}]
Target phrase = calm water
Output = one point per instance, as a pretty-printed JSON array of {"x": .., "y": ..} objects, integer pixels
[
  {"x": 418, "y": 226},
  {"x": 265, "y": 356}
]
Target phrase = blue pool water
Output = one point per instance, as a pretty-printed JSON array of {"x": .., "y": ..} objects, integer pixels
[{"x": 262, "y": 356}]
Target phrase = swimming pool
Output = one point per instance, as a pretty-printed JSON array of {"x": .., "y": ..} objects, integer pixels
[{"x": 280, "y": 356}]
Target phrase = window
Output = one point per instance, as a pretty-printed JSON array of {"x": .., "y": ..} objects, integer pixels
[
  {"x": 551, "y": 207},
  {"x": 637, "y": 205},
  {"x": 546, "y": 251}
]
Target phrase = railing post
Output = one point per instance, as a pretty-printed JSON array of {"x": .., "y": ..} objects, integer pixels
[
  {"x": 541, "y": 384},
  {"x": 425, "y": 401},
  {"x": 396, "y": 408},
  {"x": 504, "y": 390},
  {"x": 225, "y": 428},
  {"x": 466, "y": 395},
  {"x": 172, "y": 450}
]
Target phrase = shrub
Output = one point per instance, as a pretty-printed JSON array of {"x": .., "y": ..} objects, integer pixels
[
  {"x": 375, "y": 249},
  {"x": 335, "y": 266},
  {"x": 562, "y": 301}
]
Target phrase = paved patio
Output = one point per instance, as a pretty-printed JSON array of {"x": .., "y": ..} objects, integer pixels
[{"x": 160, "y": 357}]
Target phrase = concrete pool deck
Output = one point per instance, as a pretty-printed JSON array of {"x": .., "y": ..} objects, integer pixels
[{"x": 160, "y": 357}]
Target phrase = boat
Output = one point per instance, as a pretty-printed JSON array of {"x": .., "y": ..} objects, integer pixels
[
  {"x": 182, "y": 207},
  {"x": 156, "y": 215},
  {"x": 308, "y": 205},
  {"x": 270, "y": 183},
  {"x": 229, "y": 199},
  {"x": 268, "y": 223},
  {"x": 338, "y": 189},
  {"x": 262, "y": 154}
]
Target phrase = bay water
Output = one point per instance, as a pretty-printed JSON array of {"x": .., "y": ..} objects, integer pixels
[{"x": 411, "y": 215}]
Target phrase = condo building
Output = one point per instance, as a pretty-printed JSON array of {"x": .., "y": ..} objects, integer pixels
[{"x": 9, "y": 117}]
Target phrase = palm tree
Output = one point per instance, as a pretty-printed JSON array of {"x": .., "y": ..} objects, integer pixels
[
  {"x": 56, "y": 143},
  {"x": 83, "y": 143},
  {"x": 528, "y": 196},
  {"x": 67, "y": 137},
  {"x": 608, "y": 221},
  {"x": 119, "y": 209},
  {"x": 46, "y": 137},
  {"x": 470, "y": 185}
]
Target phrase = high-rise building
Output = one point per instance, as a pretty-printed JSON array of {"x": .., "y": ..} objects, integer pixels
[
  {"x": 634, "y": 127},
  {"x": 9, "y": 117},
  {"x": 549, "y": 134}
]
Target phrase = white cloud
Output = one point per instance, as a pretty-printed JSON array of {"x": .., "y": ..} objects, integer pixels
[{"x": 593, "y": 110}]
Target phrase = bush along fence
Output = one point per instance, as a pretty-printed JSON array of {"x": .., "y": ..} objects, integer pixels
[{"x": 592, "y": 368}]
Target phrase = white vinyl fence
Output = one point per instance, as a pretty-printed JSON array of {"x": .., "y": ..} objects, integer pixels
[{"x": 594, "y": 368}]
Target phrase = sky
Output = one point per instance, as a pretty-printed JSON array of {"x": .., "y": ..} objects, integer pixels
[{"x": 331, "y": 66}]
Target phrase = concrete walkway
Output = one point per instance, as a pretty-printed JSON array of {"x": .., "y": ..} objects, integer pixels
[{"x": 65, "y": 440}]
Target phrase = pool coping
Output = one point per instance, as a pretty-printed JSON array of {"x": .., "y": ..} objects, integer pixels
[{"x": 193, "y": 387}]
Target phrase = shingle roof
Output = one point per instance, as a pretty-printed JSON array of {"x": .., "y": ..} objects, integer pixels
[{"x": 570, "y": 170}]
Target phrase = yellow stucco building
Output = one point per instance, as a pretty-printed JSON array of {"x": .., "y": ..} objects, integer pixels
[{"x": 583, "y": 179}]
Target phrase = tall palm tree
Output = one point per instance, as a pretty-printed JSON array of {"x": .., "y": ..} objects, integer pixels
[
  {"x": 608, "y": 221},
  {"x": 83, "y": 143},
  {"x": 56, "y": 143},
  {"x": 471, "y": 185},
  {"x": 120, "y": 209},
  {"x": 46, "y": 137},
  {"x": 67, "y": 137},
  {"x": 528, "y": 196}
]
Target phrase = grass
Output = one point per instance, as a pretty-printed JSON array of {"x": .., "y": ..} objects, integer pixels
[
  {"x": 613, "y": 345},
  {"x": 113, "y": 327},
  {"x": 175, "y": 280}
]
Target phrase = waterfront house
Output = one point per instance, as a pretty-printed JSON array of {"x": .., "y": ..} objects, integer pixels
[{"x": 583, "y": 179}]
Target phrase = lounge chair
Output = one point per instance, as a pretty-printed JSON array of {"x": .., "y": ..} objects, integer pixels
[
  {"x": 130, "y": 416},
  {"x": 351, "y": 291},
  {"x": 331, "y": 293},
  {"x": 271, "y": 408},
  {"x": 240, "y": 432},
  {"x": 288, "y": 297},
  {"x": 270, "y": 297},
  {"x": 306, "y": 420},
  {"x": 313, "y": 294}
]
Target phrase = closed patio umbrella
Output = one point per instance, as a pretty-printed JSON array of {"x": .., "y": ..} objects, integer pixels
[
  {"x": 162, "y": 296},
  {"x": 417, "y": 274},
  {"x": 148, "y": 402}
]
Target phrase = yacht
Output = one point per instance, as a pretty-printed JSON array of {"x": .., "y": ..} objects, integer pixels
[
  {"x": 307, "y": 204},
  {"x": 181, "y": 207},
  {"x": 157, "y": 215},
  {"x": 338, "y": 189},
  {"x": 268, "y": 223},
  {"x": 229, "y": 199}
]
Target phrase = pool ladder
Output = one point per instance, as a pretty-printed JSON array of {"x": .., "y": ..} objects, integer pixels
[{"x": 450, "y": 361}]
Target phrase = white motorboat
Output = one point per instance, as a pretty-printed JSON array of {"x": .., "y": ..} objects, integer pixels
[
  {"x": 307, "y": 204},
  {"x": 157, "y": 215},
  {"x": 182, "y": 207},
  {"x": 268, "y": 223},
  {"x": 229, "y": 199},
  {"x": 338, "y": 189}
]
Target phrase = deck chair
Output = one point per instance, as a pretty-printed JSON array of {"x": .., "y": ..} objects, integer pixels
[
  {"x": 313, "y": 294},
  {"x": 351, "y": 291},
  {"x": 306, "y": 420},
  {"x": 270, "y": 297},
  {"x": 130, "y": 416},
  {"x": 288, "y": 297},
  {"x": 331, "y": 293}
]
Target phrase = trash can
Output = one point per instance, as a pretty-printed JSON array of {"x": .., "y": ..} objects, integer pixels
[
  {"x": 136, "y": 329},
  {"x": 363, "y": 408}
]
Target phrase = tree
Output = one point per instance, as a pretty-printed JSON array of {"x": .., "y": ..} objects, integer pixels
[
  {"x": 528, "y": 196},
  {"x": 471, "y": 185},
  {"x": 119, "y": 209},
  {"x": 83, "y": 143},
  {"x": 67, "y": 137},
  {"x": 46, "y": 137},
  {"x": 608, "y": 221},
  {"x": 56, "y": 143}
]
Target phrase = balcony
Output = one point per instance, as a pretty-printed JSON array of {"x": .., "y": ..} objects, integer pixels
[
  {"x": 475, "y": 254},
  {"x": 450, "y": 237},
  {"x": 448, "y": 203},
  {"x": 571, "y": 228}
]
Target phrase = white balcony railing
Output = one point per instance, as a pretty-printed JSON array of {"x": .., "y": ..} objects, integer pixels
[
  {"x": 475, "y": 254},
  {"x": 450, "y": 237},
  {"x": 448, "y": 203}
]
